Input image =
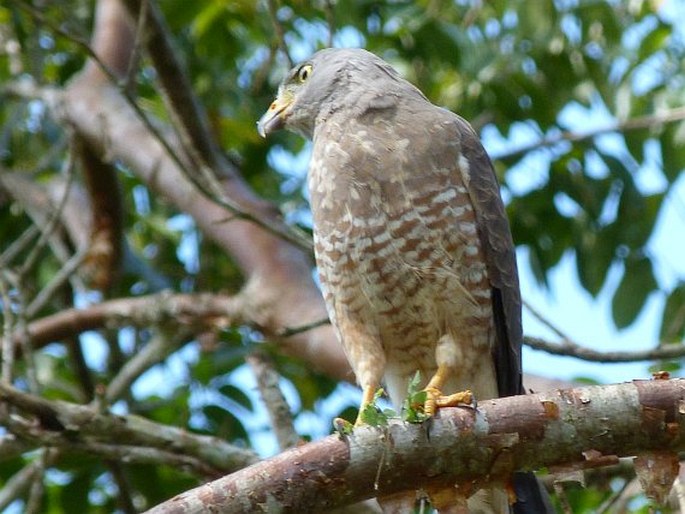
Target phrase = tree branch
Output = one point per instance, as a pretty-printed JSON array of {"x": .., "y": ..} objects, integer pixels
[
  {"x": 643, "y": 122},
  {"x": 272, "y": 396},
  {"x": 582, "y": 427},
  {"x": 279, "y": 33},
  {"x": 84, "y": 429},
  {"x": 570, "y": 349},
  {"x": 195, "y": 310}
]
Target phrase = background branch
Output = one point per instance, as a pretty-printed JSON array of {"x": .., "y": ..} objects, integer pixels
[
  {"x": 67, "y": 425},
  {"x": 649, "y": 121}
]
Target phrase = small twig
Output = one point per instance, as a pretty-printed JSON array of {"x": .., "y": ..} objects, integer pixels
[
  {"x": 138, "y": 43},
  {"x": 58, "y": 280},
  {"x": 272, "y": 396},
  {"x": 18, "y": 245},
  {"x": 12, "y": 447},
  {"x": 570, "y": 349},
  {"x": 567, "y": 347},
  {"x": 642, "y": 122},
  {"x": 154, "y": 352},
  {"x": 563, "y": 498},
  {"x": 7, "y": 342},
  {"x": 34, "y": 503},
  {"x": 291, "y": 331},
  {"x": 542, "y": 319},
  {"x": 17, "y": 486},
  {"x": 278, "y": 31},
  {"x": 19, "y": 328},
  {"x": 125, "y": 495},
  {"x": 610, "y": 503},
  {"x": 53, "y": 221},
  {"x": 330, "y": 20}
]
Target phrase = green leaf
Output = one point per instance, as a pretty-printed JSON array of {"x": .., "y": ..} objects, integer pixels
[
  {"x": 237, "y": 395},
  {"x": 412, "y": 407},
  {"x": 673, "y": 317},
  {"x": 594, "y": 255},
  {"x": 637, "y": 283},
  {"x": 373, "y": 416},
  {"x": 673, "y": 150},
  {"x": 671, "y": 367}
]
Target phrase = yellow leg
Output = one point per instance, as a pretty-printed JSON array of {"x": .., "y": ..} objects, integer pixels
[
  {"x": 435, "y": 398},
  {"x": 367, "y": 398}
]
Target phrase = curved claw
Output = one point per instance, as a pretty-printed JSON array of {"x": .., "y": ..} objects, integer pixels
[{"x": 435, "y": 400}]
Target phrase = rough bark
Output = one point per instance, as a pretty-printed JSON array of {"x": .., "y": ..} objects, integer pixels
[{"x": 576, "y": 428}]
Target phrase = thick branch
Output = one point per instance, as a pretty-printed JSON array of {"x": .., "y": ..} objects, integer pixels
[
  {"x": 578, "y": 427},
  {"x": 105, "y": 201},
  {"x": 195, "y": 310},
  {"x": 82, "y": 428}
]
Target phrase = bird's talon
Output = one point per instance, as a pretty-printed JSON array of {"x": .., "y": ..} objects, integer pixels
[
  {"x": 436, "y": 400},
  {"x": 460, "y": 399}
]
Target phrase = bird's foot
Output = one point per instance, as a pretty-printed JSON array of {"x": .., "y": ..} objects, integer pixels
[{"x": 436, "y": 400}]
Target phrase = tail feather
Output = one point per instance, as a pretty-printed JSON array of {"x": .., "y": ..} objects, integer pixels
[{"x": 531, "y": 496}]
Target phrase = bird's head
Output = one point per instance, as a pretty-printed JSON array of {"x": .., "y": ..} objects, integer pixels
[{"x": 333, "y": 80}]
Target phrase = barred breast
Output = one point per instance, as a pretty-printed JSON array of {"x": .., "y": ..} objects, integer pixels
[{"x": 399, "y": 257}]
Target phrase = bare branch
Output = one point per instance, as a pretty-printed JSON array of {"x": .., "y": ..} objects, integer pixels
[
  {"x": 278, "y": 31},
  {"x": 458, "y": 446},
  {"x": 643, "y": 122},
  {"x": 329, "y": 10},
  {"x": 19, "y": 245},
  {"x": 8, "y": 345},
  {"x": 291, "y": 331},
  {"x": 34, "y": 503},
  {"x": 160, "y": 346},
  {"x": 188, "y": 114},
  {"x": 17, "y": 486},
  {"x": 57, "y": 281},
  {"x": 272, "y": 396},
  {"x": 194, "y": 310},
  {"x": 571, "y": 349},
  {"x": 67, "y": 425},
  {"x": 568, "y": 347},
  {"x": 105, "y": 238}
]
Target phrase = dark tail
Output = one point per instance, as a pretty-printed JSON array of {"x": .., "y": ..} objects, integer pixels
[{"x": 531, "y": 495}]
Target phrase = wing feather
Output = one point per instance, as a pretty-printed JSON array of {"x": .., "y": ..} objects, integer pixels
[{"x": 500, "y": 256}]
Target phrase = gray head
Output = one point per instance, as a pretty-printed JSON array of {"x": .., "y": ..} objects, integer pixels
[{"x": 333, "y": 81}]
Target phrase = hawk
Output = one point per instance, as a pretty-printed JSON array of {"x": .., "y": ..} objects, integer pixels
[{"x": 412, "y": 244}]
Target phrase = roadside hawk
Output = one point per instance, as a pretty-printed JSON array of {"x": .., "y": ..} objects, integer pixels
[{"x": 412, "y": 244}]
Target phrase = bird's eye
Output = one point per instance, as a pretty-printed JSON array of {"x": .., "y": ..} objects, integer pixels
[{"x": 304, "y": 72}]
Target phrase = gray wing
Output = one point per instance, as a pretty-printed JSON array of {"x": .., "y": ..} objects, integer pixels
[{"x": 500, "y": 256}]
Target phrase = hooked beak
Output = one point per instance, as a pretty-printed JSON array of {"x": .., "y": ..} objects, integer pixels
[{"x": 274, "y": 119}]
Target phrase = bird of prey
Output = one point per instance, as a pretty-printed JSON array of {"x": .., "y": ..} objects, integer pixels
[{"x": 413, "y": 248}]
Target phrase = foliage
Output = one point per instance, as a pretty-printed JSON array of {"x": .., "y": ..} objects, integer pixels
[{"x": 520, "y": 71}]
